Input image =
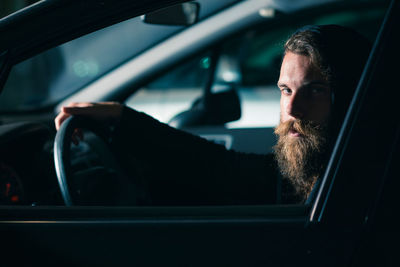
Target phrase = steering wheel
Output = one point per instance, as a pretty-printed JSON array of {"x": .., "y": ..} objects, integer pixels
[{"x": 62, "y": 158}]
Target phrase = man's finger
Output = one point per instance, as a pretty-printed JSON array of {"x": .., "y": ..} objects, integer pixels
[
  {"x": 90, "y": 111},
  {"x": 66, "y": 112},
  {"x": 103, "y": 111},
  {"x": 81, "y": 104},
  {"x": 60, "y": 119}
]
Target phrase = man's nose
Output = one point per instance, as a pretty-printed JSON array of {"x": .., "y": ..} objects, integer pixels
[{"x": 295, "y": 107}]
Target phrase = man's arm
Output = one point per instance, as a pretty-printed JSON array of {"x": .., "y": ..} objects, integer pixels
[
  {"x": 181, "y": 167},
  {"x": 185, "y": 166}
]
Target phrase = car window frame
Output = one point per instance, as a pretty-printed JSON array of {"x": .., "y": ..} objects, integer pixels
[{"x": 92, "y": 237}]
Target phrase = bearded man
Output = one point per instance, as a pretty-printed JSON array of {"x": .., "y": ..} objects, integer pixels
[{"x": 319, "y": 73}]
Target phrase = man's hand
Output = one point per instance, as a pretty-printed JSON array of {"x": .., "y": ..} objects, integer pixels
[{"x": 104, "y": 112}]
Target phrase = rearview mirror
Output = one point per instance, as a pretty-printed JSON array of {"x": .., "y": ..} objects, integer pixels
[{"x": 184, "y": 14}]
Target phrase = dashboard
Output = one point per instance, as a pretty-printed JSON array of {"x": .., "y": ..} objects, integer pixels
[{"x": 27, "y": 175}]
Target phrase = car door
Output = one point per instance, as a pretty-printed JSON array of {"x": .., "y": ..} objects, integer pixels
[{"x": 336, "y": 230}]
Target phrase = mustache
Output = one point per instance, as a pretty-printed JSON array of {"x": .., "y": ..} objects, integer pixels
[{"x": 303, "y": 127}]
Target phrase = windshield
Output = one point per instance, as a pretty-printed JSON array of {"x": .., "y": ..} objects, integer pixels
[{"x": 49, "y": 77}]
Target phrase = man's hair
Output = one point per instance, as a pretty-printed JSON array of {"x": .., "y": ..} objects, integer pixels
[
  {"x": 339, "y": 53},
  {"x": 305, "y": 42}
]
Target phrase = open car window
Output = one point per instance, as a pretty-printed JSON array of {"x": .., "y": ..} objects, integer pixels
[{"x": 249, "y": 61}]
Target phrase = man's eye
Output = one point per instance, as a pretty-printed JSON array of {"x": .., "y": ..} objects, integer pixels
[
  {"x": 318, "y": 90},
  {"x": 286, "y": 91}
]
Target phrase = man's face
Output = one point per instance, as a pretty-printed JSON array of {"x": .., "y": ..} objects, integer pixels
[
  {"x": 305, "y": 95},
  {"x": 303, "y": 130}
]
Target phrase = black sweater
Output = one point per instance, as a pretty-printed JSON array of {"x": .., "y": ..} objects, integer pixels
[{"x": 183, "y": 169}]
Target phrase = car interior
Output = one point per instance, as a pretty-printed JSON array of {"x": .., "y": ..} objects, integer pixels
[
  {"x": 221, "y": 88},
  {"x": 215, "y": 78}
]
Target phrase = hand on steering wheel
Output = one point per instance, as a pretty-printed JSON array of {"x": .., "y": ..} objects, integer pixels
[
  {"x": 102, "y": 112},
  {"x": 90, "y": 117}
]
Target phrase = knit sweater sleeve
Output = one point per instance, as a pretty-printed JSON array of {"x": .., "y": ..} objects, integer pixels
[{"x": 182, "y": 168}]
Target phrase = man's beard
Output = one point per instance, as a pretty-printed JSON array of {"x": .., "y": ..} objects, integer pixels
[{"x": 301, "y": 159}]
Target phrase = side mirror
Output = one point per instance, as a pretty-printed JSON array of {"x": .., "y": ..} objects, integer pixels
[{"x": 184, "y": 14}]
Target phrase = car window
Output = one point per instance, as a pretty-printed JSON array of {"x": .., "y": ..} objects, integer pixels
[
  {"x": 250, "y": 61},
  {"x": 174, "y": 91}
]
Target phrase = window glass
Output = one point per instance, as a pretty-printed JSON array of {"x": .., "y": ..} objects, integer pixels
[
  {"x": 173, "y": 92},
  {"x": 57, "y": 73},
  {"x": 258, "y": 55}
]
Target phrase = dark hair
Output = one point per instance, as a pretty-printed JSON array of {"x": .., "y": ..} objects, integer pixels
[
  {"x": 305, "y": 42},
  {"x": 339, "y": 53}
]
